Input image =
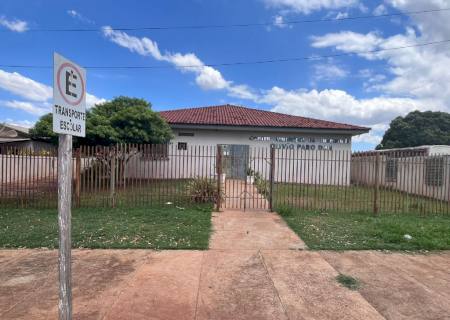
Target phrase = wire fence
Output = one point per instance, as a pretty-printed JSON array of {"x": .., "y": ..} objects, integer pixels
[{"x": 231, "y": 176}]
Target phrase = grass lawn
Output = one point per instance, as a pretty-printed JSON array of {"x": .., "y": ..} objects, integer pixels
[
  {"x": 361, "y": 231},
  {"x": 353, "y": 199},
  {"x": 158, "y": 227},
  {"x": 135, "y": 192}
]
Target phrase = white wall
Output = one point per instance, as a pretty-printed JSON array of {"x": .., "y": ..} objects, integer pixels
[
  {"x": 410, "y": 176},
  {"x": 14, "y": 168},
  {"x": 293, "y": 163}
]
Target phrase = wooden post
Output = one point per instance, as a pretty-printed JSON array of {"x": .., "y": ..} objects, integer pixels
[
  {"x": 271, "y": 177},
  {"x": 77, "y": 176},
  {"x": 64, "y": 223},
  {"x": 376, "y": 184},
  {"x": 112, "y": 187},
  {"x": 219, "y": 177}
]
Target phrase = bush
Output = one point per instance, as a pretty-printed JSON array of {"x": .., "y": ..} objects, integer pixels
[
  {"x": 285, "y": 211},
  {"x": 261, "y": 184},
  {"x": 202, "y": 190}
]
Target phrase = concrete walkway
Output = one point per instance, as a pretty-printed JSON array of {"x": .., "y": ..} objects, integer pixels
[
  {"x": 254, "y": 270},
  {"x": 239, "y": 195}
]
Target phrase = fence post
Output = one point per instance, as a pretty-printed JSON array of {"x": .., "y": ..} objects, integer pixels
[
  {"x": 112, "y": 186},
  {"x": 376, "y": 184},
  {"x": 219, "y": 177},
  {"x": 77, "y": 176},
  {"x": 271, "y": 177}
]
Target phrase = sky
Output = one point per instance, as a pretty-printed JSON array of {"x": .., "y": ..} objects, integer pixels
[{"x": 347, "y": 71}]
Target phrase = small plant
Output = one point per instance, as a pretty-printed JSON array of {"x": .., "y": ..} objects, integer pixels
[
  {"x": 285, "y": 211},
  {"x": 261, "y": 184},
  {"x": 250, "y": 172},
  {"x": 202, "y": 190},
  {"x": 348, "y": 281}
]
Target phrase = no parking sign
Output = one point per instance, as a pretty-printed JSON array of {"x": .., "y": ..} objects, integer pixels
[
  {"x": 69, "y": 118},
  {"x": 69, "y": 97}
]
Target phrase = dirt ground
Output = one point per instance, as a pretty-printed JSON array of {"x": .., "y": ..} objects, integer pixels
[{"x": 256, "y": 268}]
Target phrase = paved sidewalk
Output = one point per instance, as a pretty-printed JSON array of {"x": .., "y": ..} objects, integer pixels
[
  {"x": 254, "y": 270},
  {"x": 237, "y": 230}
]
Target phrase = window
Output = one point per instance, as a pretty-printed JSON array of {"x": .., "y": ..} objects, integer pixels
[
  {"x": 391, "y": 169},
  {"x": 185, "y": 134},
  {"x": 182, "y": 145},
  {"x": 434, "y": 171}
]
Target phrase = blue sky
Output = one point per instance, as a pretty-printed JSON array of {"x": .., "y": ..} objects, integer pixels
[{"x": 367, "y": 89}]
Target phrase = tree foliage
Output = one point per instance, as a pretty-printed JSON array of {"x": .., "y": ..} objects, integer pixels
[
  {"x": 43, "y": 129},
  {"x": 122, "y": 120},
  {"x": 416, "y": 129}
]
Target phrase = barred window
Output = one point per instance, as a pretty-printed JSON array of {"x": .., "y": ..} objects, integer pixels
[
  {"x": 182, "y": 145},
  {"x": 434, "y": 171},
  {"x": 391, "y": 170}
]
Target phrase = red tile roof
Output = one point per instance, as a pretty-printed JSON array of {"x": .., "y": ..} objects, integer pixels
[{"x": 231, "y": 115}]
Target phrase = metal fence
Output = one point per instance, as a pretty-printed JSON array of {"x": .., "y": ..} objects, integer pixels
[{"x": 231, "y": 176}]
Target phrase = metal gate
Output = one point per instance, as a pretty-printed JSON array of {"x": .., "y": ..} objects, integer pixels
[{"x": 245, "y": 177}]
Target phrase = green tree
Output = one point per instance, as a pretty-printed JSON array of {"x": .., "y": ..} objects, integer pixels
[
  {"x": 122, "y": 120},
  {"x": 416, "y": 129},
  {"x": 43, "y": 129}
]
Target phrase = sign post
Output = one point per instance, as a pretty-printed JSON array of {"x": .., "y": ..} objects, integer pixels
[{"x": 69, "y": 116}]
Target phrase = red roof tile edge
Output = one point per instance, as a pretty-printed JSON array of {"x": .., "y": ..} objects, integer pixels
[{"x": 233, "y": 115}]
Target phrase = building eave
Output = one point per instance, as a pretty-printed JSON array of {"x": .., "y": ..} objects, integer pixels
[{"x": 352, "y": 132}]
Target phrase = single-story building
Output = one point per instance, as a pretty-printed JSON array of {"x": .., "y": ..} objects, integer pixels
[
  {"x": 236, "y": 125},
  {"x": 246, "y": 136}
]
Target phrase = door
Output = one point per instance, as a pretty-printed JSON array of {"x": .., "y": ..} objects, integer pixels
[{"x": 235, "y": 160}]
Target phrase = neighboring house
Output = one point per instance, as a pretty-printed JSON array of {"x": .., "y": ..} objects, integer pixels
[
  {"x": 22, "y": 158},
  {"x": 422, "y": 170},
  {"x": 12, "y": 136}
]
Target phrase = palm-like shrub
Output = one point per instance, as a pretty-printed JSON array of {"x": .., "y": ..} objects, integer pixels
[{"x": 202, "y": 190}]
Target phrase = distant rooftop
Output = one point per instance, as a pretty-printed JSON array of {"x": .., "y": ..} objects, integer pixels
[
  {"x": 12, "y": 133},
  {"x": 232, "y": 115}
]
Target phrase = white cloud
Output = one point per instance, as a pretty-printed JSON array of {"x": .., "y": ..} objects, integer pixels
[
  {"x": 374, "y": 136},
  {"x": 329, "y": 71},
  {"x": 38, "y": 94},
  {"x": 24, "y": 87},
  {"x": 278, "y": 21},
  {"x": 342, "y": 15},
  {"x": 380, "y": 10},
  {"x": 92, "y": 100},
  {"x": 34, "y": 108},
  {"x": 416, "y": 72},
  {"x": 20, "y": 123},
  {"x": 308, "y": 6},
  {"x": 14, "y": 25},
  {"x": 207, "y": 78},
  {"x": 432, "y": 26},
  {"x": 211, "y": 79},
  {"x": 243, "y": 91},
  {"x": 77, "y": 15},
  {"x": 340, "y": 106},
  {"x": 347, "y": 41}
]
